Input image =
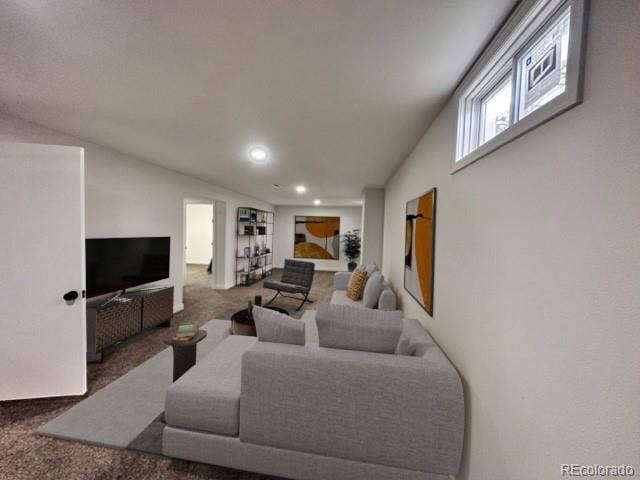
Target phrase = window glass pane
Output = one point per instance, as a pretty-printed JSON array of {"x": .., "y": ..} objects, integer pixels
[
  {"x": 496, "y": 109},
  {"x": 543, "y": 67}
]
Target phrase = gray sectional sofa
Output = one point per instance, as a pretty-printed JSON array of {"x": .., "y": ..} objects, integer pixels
[
  {"x": 386, "y": 300},
  {"x": 312, "y": 413}
]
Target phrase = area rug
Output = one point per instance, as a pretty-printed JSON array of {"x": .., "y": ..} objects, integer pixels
[
  {"x": 117, "y": 414},
  {"x": 128, "y": 413}
]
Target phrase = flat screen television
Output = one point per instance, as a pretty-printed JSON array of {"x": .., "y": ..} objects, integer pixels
[{"x": 114, "y": 264}]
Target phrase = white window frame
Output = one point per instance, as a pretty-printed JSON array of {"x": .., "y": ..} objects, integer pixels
[{"x": 499, "y": 60}]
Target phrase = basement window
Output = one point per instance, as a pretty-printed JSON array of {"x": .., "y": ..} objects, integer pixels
[{"x": 530, "y": 73}]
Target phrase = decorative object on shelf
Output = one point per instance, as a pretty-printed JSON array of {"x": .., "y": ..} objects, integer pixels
[
  {"x": 317, "y": 237},
  {"x": 351, "y": 241},
  {"x": 244, "y": 215},
  {"x": 254, "y": 240},
  {"x": 419, "y": 250}
]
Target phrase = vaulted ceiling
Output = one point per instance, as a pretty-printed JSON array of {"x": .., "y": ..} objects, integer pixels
[{"x": 339, "y": 91}]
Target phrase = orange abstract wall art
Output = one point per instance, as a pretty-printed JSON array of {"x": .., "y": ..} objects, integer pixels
[
  {"x": 420, "y": 249},
  {"x": 317, "y": 238}
]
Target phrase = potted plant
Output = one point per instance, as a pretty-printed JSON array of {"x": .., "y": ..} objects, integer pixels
[{"x": 351, "y": 241}]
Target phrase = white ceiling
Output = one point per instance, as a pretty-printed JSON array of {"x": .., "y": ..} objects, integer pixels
[{"x": 339, "y": 90}]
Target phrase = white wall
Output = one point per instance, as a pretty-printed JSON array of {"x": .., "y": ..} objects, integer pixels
[
  {"x": 199, "y": 234},
  {"x": 372, "y": 231},
  {"x": 126, "y": 196},
  {"x": 350, "y": 218},
  {"x": 537, "y": 272}
]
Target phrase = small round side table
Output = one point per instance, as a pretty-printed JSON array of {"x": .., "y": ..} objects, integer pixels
[{"x": 184, "y": 353}]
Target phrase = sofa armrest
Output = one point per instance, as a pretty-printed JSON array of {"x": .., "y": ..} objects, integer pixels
[
  {"x": 392, "y": 410},
  {"x": 387, "y": 300},
  {"x": 341, "y": 280}
]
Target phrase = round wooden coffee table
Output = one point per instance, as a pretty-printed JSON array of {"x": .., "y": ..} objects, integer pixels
[{"x": 242, "y": 324}]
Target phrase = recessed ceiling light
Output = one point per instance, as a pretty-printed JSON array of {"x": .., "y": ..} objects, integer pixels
[
  {"x": 301, "y": 188},
  {"x": 259, "y": 155},
  {"x": 317, "y": 201}
]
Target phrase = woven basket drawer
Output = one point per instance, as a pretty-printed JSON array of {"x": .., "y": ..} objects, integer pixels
[
  {"x": 119, "y": 321},
  {"x": 157, "y": 307}
]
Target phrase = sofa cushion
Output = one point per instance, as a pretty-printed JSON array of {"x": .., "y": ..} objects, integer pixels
[
  {"x": 341, "y": 280},
  {"x": 207, "y": 397},
  {"x": 415, "y": 341},
  {"x": 387, "y": 300},
  {"x": 390, "y": 410},
  {"x": 277, "y": 327},
  {"x": 372, "y": 290},
  {"x": 351, "y": 328},
  {"x": 356, "y": 285},
  {"x": 339, "y": 297},
  {"x": 370, "y": 268}
]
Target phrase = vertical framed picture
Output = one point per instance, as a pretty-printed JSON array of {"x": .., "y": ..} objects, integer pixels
[{"x": 419, "y": 248}]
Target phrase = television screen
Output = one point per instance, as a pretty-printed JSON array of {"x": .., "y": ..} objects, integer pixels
[{"x": 118, "y": 263}]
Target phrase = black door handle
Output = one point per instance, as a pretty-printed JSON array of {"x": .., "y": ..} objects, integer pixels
[{"x": 69, "y": 296}]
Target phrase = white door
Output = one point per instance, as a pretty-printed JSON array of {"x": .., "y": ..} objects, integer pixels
[{"x": 42, "y": 336}]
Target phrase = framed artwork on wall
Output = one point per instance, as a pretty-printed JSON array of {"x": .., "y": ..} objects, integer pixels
[
  {"x": 419, "y": 249},
  {"x": 317, "y": 238}
]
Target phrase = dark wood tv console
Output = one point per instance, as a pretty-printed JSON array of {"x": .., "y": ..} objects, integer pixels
[{"x": 115, "y": 321}]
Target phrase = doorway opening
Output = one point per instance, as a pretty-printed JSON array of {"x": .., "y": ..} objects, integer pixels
[{"x": 199, "y": 243}]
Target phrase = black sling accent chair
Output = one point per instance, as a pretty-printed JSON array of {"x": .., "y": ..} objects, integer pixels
[{"x": 296, "y": 278}]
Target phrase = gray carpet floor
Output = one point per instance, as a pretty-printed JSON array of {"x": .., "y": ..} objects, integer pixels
[{"x": 27, "y": 455}]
